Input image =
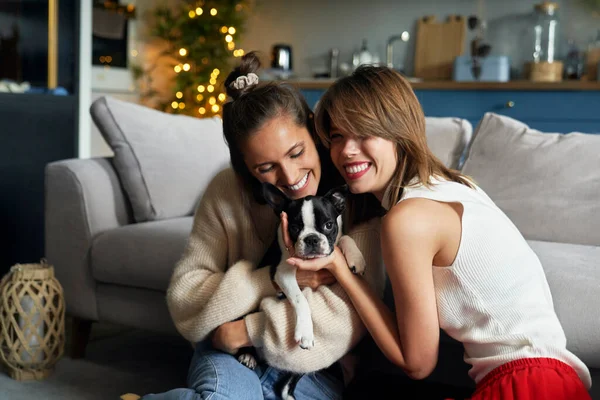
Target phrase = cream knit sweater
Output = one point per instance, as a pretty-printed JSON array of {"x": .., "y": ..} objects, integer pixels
[{"x": 216, "y": 281}]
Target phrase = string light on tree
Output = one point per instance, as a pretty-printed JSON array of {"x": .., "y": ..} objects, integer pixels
[{"x": 202, "y": 37}]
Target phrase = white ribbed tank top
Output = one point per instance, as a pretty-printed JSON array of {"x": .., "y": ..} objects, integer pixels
[{"x": 494, "y": 298}]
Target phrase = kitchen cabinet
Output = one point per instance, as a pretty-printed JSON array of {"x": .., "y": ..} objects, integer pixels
[
  {"x": 556, "y": 107},
  {"x": 40, "y": 125},
  {"x": 547, "y": 111},
  {"x": 37, "y": 129}
]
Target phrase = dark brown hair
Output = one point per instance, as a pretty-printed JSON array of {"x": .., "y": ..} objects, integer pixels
[
  {"x": 379, "y": 101},
  {"x": 252, "y": 107}
]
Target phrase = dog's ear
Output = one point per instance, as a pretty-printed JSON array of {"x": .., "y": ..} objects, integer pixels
[
  {"x": 337, "y": 196},
  {"x": 275, "y": 197}
]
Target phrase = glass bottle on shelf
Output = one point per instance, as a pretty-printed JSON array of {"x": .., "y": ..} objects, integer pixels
[
  {"x": 544, "y": 64},
  {"x": 573, "y": 61}
]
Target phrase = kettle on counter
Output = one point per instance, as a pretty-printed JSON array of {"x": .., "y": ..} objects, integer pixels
[{"x": 281, "y": 57}]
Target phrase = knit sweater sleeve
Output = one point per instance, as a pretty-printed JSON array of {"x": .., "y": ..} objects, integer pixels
[
  {"x": 210, "y": 284},
  {"x": 337, "y": 325}
]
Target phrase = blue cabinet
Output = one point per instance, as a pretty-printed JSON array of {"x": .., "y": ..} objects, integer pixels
[
  {"x": 550, "y": 111},
  {"x": 312, "y": 96},
  {"x": 546, "y": 110}
]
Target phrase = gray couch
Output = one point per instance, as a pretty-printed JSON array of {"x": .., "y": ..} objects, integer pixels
[{"x": 115, "y": 227}]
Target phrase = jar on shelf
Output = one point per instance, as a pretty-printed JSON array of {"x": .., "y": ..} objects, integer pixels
[{"x": 544, "y": 64}]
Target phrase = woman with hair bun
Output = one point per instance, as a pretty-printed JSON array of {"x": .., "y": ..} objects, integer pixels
[{"x": 217, "y": 297}]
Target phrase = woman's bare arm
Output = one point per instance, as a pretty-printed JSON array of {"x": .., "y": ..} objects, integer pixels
[{"x": 410, "y": 239}]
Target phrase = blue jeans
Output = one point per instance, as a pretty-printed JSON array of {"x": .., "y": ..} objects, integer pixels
[{"x": 214, "y": 375}]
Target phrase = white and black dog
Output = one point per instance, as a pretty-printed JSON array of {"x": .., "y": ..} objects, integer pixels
[{"x": 315, "y": 227}]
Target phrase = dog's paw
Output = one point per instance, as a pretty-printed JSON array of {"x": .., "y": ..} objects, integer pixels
[
  {"x": 357, "y": 269},
  {"x": 248, "y": 360},
  {"x": 306, "y": 343},
  {"x": 354, "y": 257},
  {"x": 305, "y": 338}
]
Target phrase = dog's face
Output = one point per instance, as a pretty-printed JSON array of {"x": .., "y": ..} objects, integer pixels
[{"x": 314, "y": 222}]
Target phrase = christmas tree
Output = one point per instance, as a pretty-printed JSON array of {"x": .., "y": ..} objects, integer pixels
[{"x": 201, "y": 44}]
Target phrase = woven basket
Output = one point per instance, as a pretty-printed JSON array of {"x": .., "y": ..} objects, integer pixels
[{"x": 32, "y": 321}]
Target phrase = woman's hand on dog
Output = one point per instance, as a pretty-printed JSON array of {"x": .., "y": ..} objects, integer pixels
[
  {"x": 311, "y": 273},
  {"x": 314, "y": 279},
  {"x": 287, "y": 241},
  {"x": 335, "y": 263}
]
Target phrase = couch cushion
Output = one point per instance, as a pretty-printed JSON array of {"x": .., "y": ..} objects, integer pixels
[
  {"x": 447, "y": 138},
  {"x": 164, "y": 161},
  {"x": 140, "y": 255},
  {"x": 573, "y": 273},
  {"x": 547, "y": 183}
]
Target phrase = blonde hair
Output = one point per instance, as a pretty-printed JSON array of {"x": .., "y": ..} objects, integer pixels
[{"x": 379, "y": 101}]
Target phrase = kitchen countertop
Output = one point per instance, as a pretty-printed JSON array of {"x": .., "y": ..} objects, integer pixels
[{"x": 310, "y": 83}]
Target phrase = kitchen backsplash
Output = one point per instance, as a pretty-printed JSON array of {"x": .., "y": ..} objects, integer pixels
[{"x": 313, "y": 27}]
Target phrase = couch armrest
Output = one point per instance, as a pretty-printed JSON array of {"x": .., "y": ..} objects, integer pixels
[{"x": 83, "y": 198}]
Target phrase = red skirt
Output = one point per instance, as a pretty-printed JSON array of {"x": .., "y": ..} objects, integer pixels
[{"x": 532, "y": 378}]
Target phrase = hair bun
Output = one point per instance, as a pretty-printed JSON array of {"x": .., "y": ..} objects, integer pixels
[
  {"x": 244, "y": 77},
  {"x": 243, "y": 81}
]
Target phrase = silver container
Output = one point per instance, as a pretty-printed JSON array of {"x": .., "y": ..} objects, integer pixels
[{"x": 281, "y": 57}]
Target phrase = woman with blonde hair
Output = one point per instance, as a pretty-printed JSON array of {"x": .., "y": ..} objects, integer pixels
[{"x": 455, "y": 261}]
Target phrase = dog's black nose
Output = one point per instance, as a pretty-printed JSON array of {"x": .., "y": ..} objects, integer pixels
[{"x": 311, "y": 240}]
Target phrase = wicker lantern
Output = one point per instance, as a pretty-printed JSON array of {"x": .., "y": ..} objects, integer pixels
[{"x": 32, "y": 321}]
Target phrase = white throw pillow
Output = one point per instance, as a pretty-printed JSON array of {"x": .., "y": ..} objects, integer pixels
[
  {"x": 164, "y": 161},
  {"x": 547, "y": 183},
  {"x": 448, "y": 137}
]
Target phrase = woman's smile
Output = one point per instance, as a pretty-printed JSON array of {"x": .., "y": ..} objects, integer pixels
[
  {"x": 356, "y": 170},
  {"x": 300, "y": 185}
]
